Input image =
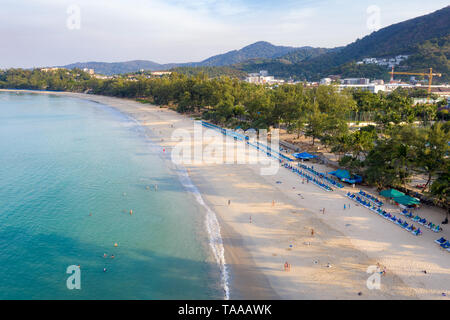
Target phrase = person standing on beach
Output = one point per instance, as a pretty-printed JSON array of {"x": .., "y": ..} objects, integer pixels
[
  {"x": 312, "y": 232},
  {"x": 229, "y": 202}
]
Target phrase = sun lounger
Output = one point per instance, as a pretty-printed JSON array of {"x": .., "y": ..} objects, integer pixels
[
  {"x": 422, "y": 221},
  {"x": 445, "y": 245},
  {"x": 437, "y": 229},
  {"x": 417, "y": 232},
  {"x": 440, "y": 241}
]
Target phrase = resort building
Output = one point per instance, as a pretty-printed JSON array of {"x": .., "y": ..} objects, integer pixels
[
  {"x": 51, "y": 69},
  {"x": 363, "y": 81},
  {"x": 372, "y": 87},
  {"x": 263, "y": 78},
  {"x": 388, "y": 62},
  {"x": 90, "y": 71},
  {"x": 161, "y": 73}
]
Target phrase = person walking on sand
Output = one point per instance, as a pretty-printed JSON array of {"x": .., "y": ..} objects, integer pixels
[
  {"x": 250, "y": 219},
  {"x": 229, "y": 202},
  {"x": 312, "y": 232},
  {"x": 344, "y": 206},
  {"x": 273, "y": 203}
]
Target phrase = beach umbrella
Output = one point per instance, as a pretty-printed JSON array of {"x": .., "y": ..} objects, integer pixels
[
  {"x": 341, "y": 174},
  {"x": 406, "y": 200},
  {"x": 392, "y": 193},
  {"x": 304, "y": 156}
]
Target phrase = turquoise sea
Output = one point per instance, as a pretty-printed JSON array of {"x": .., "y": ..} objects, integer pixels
[{"x": 70, "y": 172}]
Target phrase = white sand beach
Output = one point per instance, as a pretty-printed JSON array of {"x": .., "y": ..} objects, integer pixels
[{"x": 332, "y": 263}]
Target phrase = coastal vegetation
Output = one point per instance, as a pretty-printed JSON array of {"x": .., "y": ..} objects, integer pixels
[{"x": 383, "y": 136}]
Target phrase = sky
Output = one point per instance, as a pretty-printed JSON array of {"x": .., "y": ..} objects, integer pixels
[{"x": 37, "y": 33}]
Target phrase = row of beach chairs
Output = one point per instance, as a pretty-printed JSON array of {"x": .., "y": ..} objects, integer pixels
[
  {"x": 321, "y": 176},
  {"x": 422, "y": 221},
  {"x": 384, "y": 214},
  {"x": 308, "y": 177},
  {"x": 443, "y": 243},
  {"x": 370, "y": 198}
]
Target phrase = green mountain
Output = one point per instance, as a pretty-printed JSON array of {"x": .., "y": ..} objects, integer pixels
[
  {"x": 424, "y": 38},
  {"x": 260, "y": 50},
  {"x": 110, "y": 68}
]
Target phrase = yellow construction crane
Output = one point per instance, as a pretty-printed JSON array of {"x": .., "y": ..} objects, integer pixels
[{"x": 429, "y": 75}]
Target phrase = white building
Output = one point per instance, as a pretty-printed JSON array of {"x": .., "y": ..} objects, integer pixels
[
  {"x": 51, "y": 69},
  {"x": 371, "y": 87},
  {"x": 90, "y": 71},
  {"x": 364, "y": 81},
  {"x": 161, "y": 73},
  {"x": 262, "y": 78},
  {"x": 325, "y": 81},
  {"x": 388, "y": 62}
]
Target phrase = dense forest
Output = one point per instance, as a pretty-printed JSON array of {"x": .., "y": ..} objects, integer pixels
[
  {"x": 403, "y": 139},
  {"x": 425, "y": 38}
]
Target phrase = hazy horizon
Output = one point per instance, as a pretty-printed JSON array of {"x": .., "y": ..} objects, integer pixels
[{"x": 45, "y": 33}]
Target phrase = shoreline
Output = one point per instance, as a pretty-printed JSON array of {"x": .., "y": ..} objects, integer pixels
[
  {"x": 240, "y": 280},
  {"x": 349, "y": 241}
]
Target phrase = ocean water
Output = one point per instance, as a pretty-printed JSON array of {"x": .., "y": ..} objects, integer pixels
[{"x": 70, "y": 172}]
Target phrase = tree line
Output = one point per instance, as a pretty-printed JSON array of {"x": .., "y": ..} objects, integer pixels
[{"x": 398, "y": 140}]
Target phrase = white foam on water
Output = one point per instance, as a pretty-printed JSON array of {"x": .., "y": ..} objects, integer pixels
[
  {"x": 213, "y": 228},
  {"x": 211, "y": 222}
]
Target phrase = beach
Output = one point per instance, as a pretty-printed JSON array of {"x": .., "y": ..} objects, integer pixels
[{"x": 266, "y": 221}]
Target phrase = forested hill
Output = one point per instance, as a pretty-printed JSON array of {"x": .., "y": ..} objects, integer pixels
[
  {"x": 424, "y": 38},
  {"x": 261, "y": 50},
  {"x": 110, "y": 68}
]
